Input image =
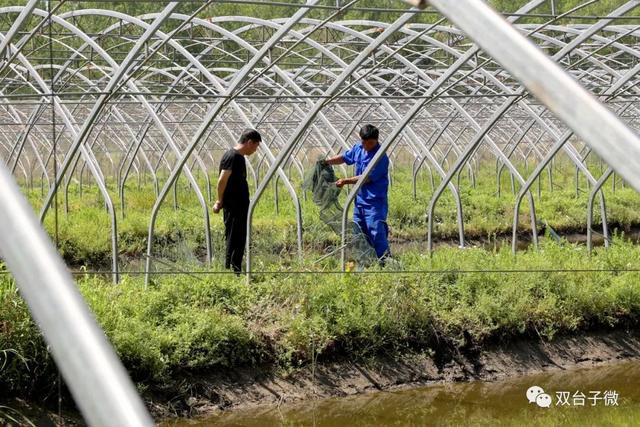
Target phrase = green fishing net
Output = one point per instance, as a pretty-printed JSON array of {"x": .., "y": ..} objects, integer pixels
[{"x": 321, "y": 182}]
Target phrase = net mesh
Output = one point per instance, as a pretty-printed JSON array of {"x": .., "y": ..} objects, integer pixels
[{"x": 321, "y": 182}]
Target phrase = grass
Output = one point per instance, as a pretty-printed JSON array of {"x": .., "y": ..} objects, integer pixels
[
  {"x": 185, "y": 324},
  {"x": 84, "y": 234},
  {"x": 182, "y": 325},
  {"x": 10, "y": 416}
]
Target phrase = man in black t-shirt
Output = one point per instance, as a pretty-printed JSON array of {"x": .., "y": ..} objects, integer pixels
[{"x": 233, "y": 196}]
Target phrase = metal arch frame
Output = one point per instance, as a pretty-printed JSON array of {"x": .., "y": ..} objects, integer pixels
[
  {"x": 447, "y": 179},
  {"x": 81, "y": 135},
  {"x": 150, "y": 30},
  {"x": 591, "y": 75},
  {"x": 442, "y": 131},
  {"x": 291, "y": 80},
  {"x": 293, "y": 194},
  {"x": 207, "y": 122},
  {"x": 311, "y": 116},
  {"x": 353, "y": 193},
  {"x": 469, "y": 117},
  {"x": 93, "y": 166},
  {"x": 17, "y": 25},
  {"x": 395, "y": 115},
  {"x": 151, "y": 119},
  {"x": 540, "y": 168},
  {"x": 17, "y": 147},
  {"x": 588, "y": 175},
  {"x": 372, "y": 90},
  {"x": 291, "y": 189},
  {"x": 339, "y": 61},
  {"x": 496, "y": 118},
  {"x": 609, "y": 121},
  {"x": 96, "y": 378},
  {"x": 562, "y": 140},
  {"x": 95, "y": 136}
]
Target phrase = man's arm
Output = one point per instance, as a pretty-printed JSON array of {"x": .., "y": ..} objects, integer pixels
[
  {"x": 350, "y": 181},
  {"x": 222, "y": 185},
  {"x": 380, "y": 171},
  {"x": 335, "y": 160},
  {"x": 338, "y": 160}
]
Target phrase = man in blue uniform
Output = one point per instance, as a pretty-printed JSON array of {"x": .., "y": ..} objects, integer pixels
[{"x": 371, "y": 206}]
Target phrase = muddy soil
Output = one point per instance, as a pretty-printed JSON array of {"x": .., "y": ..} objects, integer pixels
[
  {"x": 235, "y": 389},
  {"x": 243, "y": 388}
]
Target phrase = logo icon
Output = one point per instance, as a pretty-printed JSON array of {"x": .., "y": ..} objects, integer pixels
[
  {"x": 537, "y": 395},
  {"x": 543, "y": 400}
]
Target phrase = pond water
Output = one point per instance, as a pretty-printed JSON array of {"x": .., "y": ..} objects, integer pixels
[{"x": 607, "y": 395}]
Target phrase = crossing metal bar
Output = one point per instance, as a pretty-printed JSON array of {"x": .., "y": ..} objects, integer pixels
[
  {"x": 97, "y": 380},
  {"x": 613, "y": 140}
]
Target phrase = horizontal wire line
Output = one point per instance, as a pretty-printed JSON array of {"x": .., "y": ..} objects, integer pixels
[{"x": 399, "y": 272}]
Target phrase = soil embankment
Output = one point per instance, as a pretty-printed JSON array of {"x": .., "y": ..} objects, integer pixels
[{"x": 242, "y": 388}]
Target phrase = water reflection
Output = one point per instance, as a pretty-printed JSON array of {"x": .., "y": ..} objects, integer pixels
[{"x": 463, "y": 404}]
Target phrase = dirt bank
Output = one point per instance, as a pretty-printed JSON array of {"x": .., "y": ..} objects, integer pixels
[{"x": 242, "y": 388}]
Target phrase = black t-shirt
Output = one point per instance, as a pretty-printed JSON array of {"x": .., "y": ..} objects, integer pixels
[{"x": 237, "y": 191}]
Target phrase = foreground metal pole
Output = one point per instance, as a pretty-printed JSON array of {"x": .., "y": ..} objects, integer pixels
[
  {"x": 96, "y": 378},
  {"x": 614, "y": 141},
  {"x": 17, "y": 25}
]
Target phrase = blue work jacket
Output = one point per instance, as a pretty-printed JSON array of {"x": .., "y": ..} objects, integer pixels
[{"x": 374, "y": 191}]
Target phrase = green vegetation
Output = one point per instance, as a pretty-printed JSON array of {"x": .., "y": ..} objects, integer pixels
[
  {"x": 371, "y": 10},
  {"x": 186, "y": 324},
  {"x": 10, "y": 416},
  {"x": 84, "y": 236},
  {"x": 367, "y": 9},
  {"x": 183, "y": 324}
]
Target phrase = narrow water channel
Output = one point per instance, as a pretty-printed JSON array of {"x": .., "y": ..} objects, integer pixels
[{"x": 602, "y": 396}]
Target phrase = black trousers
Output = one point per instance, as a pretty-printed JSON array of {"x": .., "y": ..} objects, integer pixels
[{"x": 235, "y": 232}]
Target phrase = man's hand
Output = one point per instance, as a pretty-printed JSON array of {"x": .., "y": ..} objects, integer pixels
[
  {"x": 341, "y": 183},
  {"x": 217, "y": 206}
]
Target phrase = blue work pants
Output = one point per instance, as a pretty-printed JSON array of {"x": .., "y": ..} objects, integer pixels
[{"x": 372, "y": 220}]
